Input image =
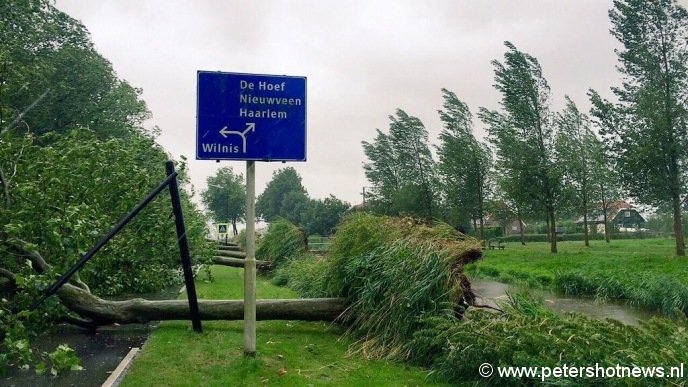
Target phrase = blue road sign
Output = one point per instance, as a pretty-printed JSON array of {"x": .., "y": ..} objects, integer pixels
[{"x": 250, "y": 117}]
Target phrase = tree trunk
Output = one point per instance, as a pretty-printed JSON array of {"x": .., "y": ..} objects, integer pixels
[
  {"x": 482, "y": 228},
  {"x": 236, "y": 262},
  {"x": 604, "y": 214},
  {"x": 475, "y": 229},
  {"x": 520, "y": 223},
  {"x": 549, "y": 228},
  {"x": 136, "y": 311},
  {"x": 552, "y": 231},
  {"x": 678, "y": 227},
  {"x": 585, "y": 229},
  {"x": 229, "y": 247},
  {"x": 586, "y": 237}
]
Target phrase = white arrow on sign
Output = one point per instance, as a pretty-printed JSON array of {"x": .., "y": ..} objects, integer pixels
[{"x": 250, "y": 127}]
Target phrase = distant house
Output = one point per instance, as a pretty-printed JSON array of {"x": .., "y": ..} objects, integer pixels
[{"x": 620, "y": 215}]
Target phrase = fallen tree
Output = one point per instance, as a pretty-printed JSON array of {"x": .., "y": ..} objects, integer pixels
[
  {"x": 231, "y": 254},
  {"x": 235, "y": 262},
  {"x": 138, "y": 310},
  {"x": 92, "y": 311}
]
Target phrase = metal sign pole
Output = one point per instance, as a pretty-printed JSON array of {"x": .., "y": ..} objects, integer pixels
[
  {"x": 250, "y": 117},
  {"x": 184, "y": 250},
  {"x": 250, "y": 263}
]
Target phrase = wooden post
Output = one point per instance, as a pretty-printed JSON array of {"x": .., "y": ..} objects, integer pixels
[{"x": 250, "y": 264}]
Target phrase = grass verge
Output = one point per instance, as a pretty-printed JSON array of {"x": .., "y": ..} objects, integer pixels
[
  {"x": 645, "y": 272},
  {"x": 311, "y": 353}
]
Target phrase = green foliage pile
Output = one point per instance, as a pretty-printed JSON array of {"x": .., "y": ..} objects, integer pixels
[
  {"x": 69, "y": 192},
  {"x": 528, "y": 335},
  {"x": 19, "y": 326},
  {"x": 282, "y": 241},
  {"x": 395, "y": 272},
  {"x": 65, "y": 192},
  {"x": 240, "y": 239}
]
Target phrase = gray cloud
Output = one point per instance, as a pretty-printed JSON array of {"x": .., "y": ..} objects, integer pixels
[{"x": 363, "y": 59}]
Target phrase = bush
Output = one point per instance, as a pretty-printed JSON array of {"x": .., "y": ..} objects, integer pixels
[
  {"x": 241, "y": 239},
  {"x": 305, "y": 275},
  {"x": 580, "y": 237},
  {"x": 527, "y": 334},
  {"x": 282, "y": 242}
]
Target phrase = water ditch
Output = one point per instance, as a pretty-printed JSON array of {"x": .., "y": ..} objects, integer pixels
[{"x": 491, "y": 292}]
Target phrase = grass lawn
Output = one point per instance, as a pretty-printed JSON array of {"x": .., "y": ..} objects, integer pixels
[
  {"x": 643, "y": 271},
  {"x": 310, "y": 352}
]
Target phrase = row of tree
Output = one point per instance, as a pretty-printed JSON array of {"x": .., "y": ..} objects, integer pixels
[
  {"x": 546, "y": 165},
  {"x": 284, "y": 197}
]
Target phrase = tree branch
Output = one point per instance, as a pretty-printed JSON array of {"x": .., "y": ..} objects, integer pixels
[
  {"x": 10, "y": 284},
  {"x": 485, "y": 306},
  {"x": 5, "y": 188},
  {"x": 76, "y": 280},
  {"x": 19, "y": 248},
  {"x": 7, "y": 274},
  {"x": 21, "y": 115}
]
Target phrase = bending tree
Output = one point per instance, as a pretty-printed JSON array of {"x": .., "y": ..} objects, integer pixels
[
  {"x": 523, "y": 135},
  {"x": 401, "y": 168},
  {"x": 577, "y": 150},
  {"x": 646, "y": 129},
  {"x": 464, "y": 164}
]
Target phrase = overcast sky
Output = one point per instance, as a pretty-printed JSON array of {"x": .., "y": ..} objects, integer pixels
[{"x": 363, "y": 59}]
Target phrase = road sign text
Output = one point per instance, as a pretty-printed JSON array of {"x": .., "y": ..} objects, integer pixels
[{"x": 251, "y": 117}]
